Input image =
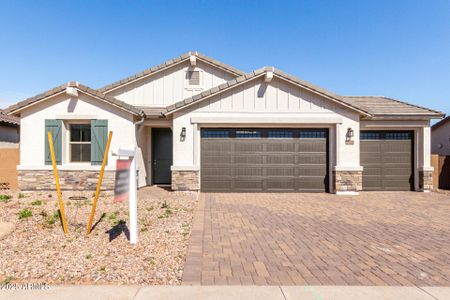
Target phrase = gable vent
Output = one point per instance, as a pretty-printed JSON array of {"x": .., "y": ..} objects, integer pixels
[{"x": 193, "y": 77}]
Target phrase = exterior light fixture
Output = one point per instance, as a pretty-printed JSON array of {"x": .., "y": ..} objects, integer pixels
[
  {"x": 349, "y": 136},
  {"x": 183, "y": 134}
]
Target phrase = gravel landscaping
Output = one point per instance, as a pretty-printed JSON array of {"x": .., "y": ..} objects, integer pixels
[{"x": 38, "y": 251}]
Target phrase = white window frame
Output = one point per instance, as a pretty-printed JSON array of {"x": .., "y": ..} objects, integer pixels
[
  {"x": 69, "y": 143},
  {"x": 189, "y": 87}
]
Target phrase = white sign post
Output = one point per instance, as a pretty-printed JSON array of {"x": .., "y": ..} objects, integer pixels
[{"x": 131, "y": 153}]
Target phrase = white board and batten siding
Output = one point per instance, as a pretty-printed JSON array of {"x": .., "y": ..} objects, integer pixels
[
  {"x": 170, "y": 85},
  {"x": 279, "y": 104}
]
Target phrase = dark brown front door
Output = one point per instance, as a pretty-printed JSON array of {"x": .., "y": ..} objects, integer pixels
[
  {"x": 387, "y": 159},
  {"x": 162, "y": 155},
  {"x": 264, "y": 160}
]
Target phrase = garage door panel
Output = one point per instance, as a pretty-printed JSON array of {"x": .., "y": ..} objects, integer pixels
[
  {"x": 279, "y": 159},
  {"x": 248, "y": 185},
  {"x": 311, "y": 145},
  {"x": 247, "y": 146},
  {"x": 309, "y": 184},
  {"x": 285, "y": 171},
  {"x": 310, "y": 158},
  {"x": 276, "y": 184},
  {"x": 313, "y": 170},
  {"x": 387, "y": 160},
  {"x": 276, "y": 160},
  {"x": 248, "y": 159},
  {"x": 248, "y": 171},
  {"x": 280, "y": 146}
]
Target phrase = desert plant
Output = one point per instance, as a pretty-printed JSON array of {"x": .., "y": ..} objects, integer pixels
[
  {"x": 20, "y": 196},
  {"x": 5, "y": 198},
  {"x": 36, "y": 202},
  {"x": 24, "y": 213}
]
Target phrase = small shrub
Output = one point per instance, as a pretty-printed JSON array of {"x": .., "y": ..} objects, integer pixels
[
  {"x": 20, "y": 196},
  {"x": 5, "y": 198},
  {"x": 36, "y": 202},
  {"x": 144, "y": 229},
  {"x": 89, "y": 256},
  {"x": 164, "y": 205},
  {"x": 150, "y": 208},
  {"x": 167, "y": 213},
  {"x": 24, "y": 213},
  {"x": 8, "y": 280},
  {"x": 103, "y": 268}
]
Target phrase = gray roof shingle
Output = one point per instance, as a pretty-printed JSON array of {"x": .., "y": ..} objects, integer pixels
[
  {"x": 4, "y": 118},
  {"x": 170, "y": 63},
  {"x": 380, "y": 105},
  {"x": 370, "y": 106},
  {"x": 61, "y": 88}
]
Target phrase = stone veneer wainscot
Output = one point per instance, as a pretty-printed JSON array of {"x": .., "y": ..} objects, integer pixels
[
  {"x": 43, "y": 180},
  {"x": 347, "y": 181},
  {"x": 185, "y": 180}
]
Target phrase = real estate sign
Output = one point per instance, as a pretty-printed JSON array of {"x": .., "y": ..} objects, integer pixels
[{"x": 122, "y": 182}]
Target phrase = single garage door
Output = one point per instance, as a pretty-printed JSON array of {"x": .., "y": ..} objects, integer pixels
[
  {"x": 387, "y": 158},
  {"x": 264, "y": 160}
]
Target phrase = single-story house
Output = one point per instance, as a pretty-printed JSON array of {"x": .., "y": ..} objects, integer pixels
[
  {"x": 200, "y": 124},
  {"x": 440, "y": 137}
]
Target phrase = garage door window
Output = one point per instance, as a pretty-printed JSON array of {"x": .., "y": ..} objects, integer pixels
[
  {"x": 211, "y": 133},
  {"x": 248, "y": 133},
  {"x": 280, "y": 134}
]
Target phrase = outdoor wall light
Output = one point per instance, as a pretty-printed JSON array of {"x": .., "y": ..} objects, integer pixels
[
  {"x": 349, "y": 136},
  {"x": 183, "y": 134}
]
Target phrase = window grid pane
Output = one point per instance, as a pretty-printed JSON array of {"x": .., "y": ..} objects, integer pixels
[
  {"x": 248, "y": 133},
  {"x": 280, "y": 134},
  {"x": 312, "y": 134}
]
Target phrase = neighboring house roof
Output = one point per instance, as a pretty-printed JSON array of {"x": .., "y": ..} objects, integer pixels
[
  {"x": 170, "y": 63},
  {"x": 384, "y": 106},
  {"x": 4, "y": 118},
  {"x": 441, "y": 123},
  {"x": 258, "y": 73},
  {"x": 13, "y": 109}
]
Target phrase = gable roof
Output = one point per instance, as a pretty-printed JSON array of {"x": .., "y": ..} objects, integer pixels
[
  {"x": 170, "y": 63},
  {"x": 369, "y": 106},
  {"x": 384, "y": 106},
  {"x": 441, "y": 123},
  {"x": 4, "y": 118},
  {"x": 258, "y": 73},
  {"x": 15, "y": 108}
]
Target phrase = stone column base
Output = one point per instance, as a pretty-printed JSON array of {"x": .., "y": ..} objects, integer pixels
[
  {"x": 43, "y": 180},
  {"x": 184, "y": 180},
  {"x": 347, "y": 182},
  {"x": 426, "y": 181}
]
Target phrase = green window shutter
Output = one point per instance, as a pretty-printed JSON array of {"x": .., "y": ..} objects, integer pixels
[
  {"x": 99, "y": 137},
  {"x": 55, "y": 127}
]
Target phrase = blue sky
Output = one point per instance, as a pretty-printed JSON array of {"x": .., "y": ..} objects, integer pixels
[{"x": 399, "y": 49}]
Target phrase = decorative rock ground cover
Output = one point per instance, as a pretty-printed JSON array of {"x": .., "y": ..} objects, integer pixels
[{"x": 38, "y": 251}]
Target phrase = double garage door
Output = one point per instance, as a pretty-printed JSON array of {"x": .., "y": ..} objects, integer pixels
[
  {"x": 264, "y": 160},
  {"x": 387, "y": 158}
]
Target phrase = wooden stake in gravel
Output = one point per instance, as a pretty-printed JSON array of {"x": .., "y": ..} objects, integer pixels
[
  {"x": 99, "y": 184},
  {"x": 58, "y": 188}
]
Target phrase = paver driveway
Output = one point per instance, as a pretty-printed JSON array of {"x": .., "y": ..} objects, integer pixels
[{"x": 382, "y": 238}]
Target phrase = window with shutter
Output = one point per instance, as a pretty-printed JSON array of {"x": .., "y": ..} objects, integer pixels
[
  {"x": 55, "y": 127},
  {"x": 99, "y": 137}
]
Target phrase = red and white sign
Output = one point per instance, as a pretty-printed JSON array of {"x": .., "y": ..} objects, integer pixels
[{"x": 122, "y": 182}]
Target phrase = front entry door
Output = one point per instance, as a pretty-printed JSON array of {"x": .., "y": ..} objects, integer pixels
[{"x": 162, "y": 155}]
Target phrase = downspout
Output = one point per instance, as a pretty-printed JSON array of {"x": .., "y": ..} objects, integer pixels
[{"x": 137, "y": 129}]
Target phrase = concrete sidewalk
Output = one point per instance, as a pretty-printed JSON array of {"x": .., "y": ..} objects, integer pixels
[{"x": 81, "y": 292}]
